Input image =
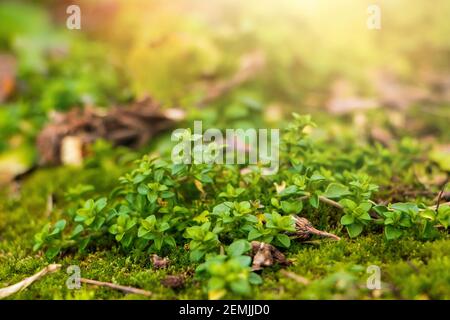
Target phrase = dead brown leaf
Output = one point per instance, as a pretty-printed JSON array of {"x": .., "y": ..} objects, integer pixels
[
  {"x": 158, "y": 262},
  {"x": 265, "y": 255}
]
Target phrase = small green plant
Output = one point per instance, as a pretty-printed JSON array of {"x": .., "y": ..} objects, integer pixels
[
  {"x": 356, "y": 216},
  {"x": 274, "y": 230},
  {"x": 51, "y": 238},
  {"x": 229, "y": 273},
  {"x": 203, "y": 240},
  {"x": 160, "y": 206}
]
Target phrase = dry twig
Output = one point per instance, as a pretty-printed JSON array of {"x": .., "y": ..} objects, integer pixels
[
  {"x": 305, "y": 230},
  {"x": 5, "y": 292},
  {"x": 116, "y": 287}
]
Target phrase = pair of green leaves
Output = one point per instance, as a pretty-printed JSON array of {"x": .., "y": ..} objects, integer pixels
[
  {"x": 50, "y": 238},
  {"x": 124, "y": 223},
  {"x": 356, "y": 216},
  {"x": 202, "y": 240},
  {"x": 275, "y": 228},
  {"x": 231, "y": 192},
  {"x": 91, "y": 212},
  {"x": 153, "y": 229}
]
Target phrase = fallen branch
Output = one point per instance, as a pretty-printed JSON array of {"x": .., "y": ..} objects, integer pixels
[
  {"x": 116, "y": 287},
  {"x": 295, "y": 277},
  {"x": 5, "y": 292}
]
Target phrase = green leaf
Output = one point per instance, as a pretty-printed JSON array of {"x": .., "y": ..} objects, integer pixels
[
  {"x": 119, "y": 236},
  {"x": 216, "y": 283},
  {"x": 60, "y": 225},
  {"x": 290, "y": 207},
  {"x": 238, "y": 248},
  {"x": 52, "y": 252},
  {"x": 244, "y": 261},
  {"x": 78, "y": 229},
  {"x": 275, "y": 202},
  {"x": 444, "y": 215},
  {"x": 196, "y": 255},
  {"x": 365, "y": 206},
  {"x": 392, "y": 232},
  {"x": 380, "y": 209},
  {"x": 222, "y": 208},
  {"x": 405, "y": 207},
  {"x": 254, "y": 234},
  {"x": 316, "y": 177},
  {"x": 158, "y": 243},
  {"x": 314, "y": 200},
  {"x": 354, "y": 229},
  {"x": 37, "y": 246},
  {"x": 348, "y": 204},
  {"x": 142, "y": 232},
  {"x": 284, "y": 240},
  {"x": 241, "y": 287},
  {"x": 428, "y": 214},
  {"x": 142, "y": 189},
  {"x": 347, "y": 220},
  {"x": 336, "y": 190},
  {"x": 178, "y": 168},
  {"x": 100, "y": 204},
  {"x": 254, "y": 279},
  {"x": 170, "y": 241},
  {"x": 288, "y": 191},
  {"x": 365, "y": 216}
]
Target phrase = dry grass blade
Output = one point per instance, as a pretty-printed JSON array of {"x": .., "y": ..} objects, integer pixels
[
  {"x": 295, "y": 277},
  {"x": 5, "y": 292},
  {"x": 116, "y": 287}
]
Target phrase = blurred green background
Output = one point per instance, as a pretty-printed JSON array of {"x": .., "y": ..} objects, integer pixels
[{"x": 291, "y": 55}]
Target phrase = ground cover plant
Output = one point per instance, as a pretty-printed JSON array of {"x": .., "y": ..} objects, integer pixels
[{"x": 362, "y": 177}]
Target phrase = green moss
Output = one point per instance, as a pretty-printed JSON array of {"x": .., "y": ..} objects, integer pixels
[{"x": 410, "y": 269}]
